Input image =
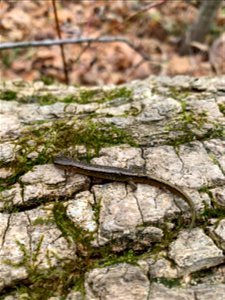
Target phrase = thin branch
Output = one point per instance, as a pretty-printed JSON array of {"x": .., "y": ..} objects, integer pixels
[
  {"x": 145, "y": 8},
  {"x": 61, "y": 46},
  {"x": 48, "y": 43},
  {"x": 83, "y": 50}
]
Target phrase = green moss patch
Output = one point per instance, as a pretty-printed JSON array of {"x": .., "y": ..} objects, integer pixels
[
  {"x": 168, "y": 282},
  {"x": 222, "y": 108},
  {"x": 83, "y": 96},
  {"x": 190, "y": 126},
  {"x": 8, "y": 95},
  {"x": 213, "y": 212},
  {"x": 68, "y": 229},
  {"x": 40, "y": 144}
]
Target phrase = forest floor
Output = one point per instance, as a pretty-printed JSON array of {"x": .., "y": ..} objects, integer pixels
[{"x": 155, "y": 28}]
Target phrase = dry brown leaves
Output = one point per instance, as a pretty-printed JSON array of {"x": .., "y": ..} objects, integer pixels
[{"x": 155, "y": 32}]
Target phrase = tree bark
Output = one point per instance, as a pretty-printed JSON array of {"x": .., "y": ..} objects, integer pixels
[{"x": 200, "y": 28}]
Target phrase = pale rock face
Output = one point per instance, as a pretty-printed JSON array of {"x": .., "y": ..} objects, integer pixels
[{"x": 109, "y": 240}]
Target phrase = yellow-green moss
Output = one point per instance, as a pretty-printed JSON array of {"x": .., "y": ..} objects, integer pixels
[
  {"x": 109, "y": 259},
  {"x": 70, "y": 274},
  {"x": 189, "y": 126},
  {"x": 68, "y": 228},
  {"x": 222, "y": 108},
  {"x": 215, "y": 211},
  {"x": 168, "y": 282},
  {"x": 49, "y": 139},
  {"x": 82, "y": 96},
  {"x": 48, "y": 80},
  {"x": 8, "y": 95}
]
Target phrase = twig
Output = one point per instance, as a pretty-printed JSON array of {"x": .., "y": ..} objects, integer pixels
[
  {"x": 145, "y": 8},
  {"x": 133, "y": 68},
  {"x": 61, "y": 46},
  {"x": 48, "y": 43}
]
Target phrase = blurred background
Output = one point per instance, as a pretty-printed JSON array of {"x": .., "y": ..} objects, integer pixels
[{"x": 161, "y": 37}]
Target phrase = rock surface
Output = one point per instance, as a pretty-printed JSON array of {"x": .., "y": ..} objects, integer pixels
[{"x": 65, "y": 235}]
